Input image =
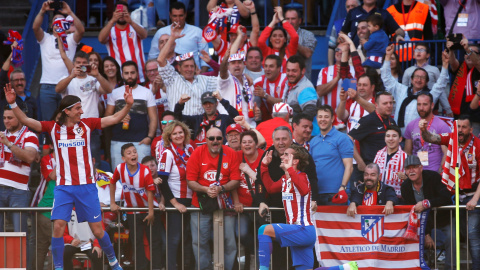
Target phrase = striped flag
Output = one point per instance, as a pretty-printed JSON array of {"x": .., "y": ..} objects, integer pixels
[
  {"x": 451, "y": 161},
  {"x": 447, "y": 120},
  {"x": 372, "y": 239}
]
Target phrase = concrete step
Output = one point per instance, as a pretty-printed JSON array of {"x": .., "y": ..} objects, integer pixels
[{"x": 14, "y": 15}]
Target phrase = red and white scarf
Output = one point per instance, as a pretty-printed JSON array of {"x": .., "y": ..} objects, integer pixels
[
  {"x": 240, "y": 92},
  {"x": 388, "y": 171}
]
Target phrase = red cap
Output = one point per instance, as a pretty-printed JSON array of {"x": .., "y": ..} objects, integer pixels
[
  {"x": 340, "y": 198},
  {"x": 234, "y": 127},
  {"x": 233, "y": 29}
]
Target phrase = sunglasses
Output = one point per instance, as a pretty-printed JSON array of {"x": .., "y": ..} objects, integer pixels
[
  {"x": 213, "y": 138},
  {"x": 166, "y": 122}
]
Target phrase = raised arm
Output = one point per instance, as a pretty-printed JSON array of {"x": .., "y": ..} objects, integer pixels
[
  {"x": 476, "y": 99},
  {"x": 105, "y": 32},
  {"x": 141, "y": 32},
  {"x": 427, "y": 135},
  {"x": 68, "y": 63},
  {"x": 10, "y": 96},
  {"x": 176, "y": 33},
  {"x": 236, "y": 44},
  {"x": 255, "y": 33},
  {"x": 224, "y": 65},
  {"x": 37, "y": 23},
  {"x": 117, "y": 117},
  {"x": 79, "y": 29}
]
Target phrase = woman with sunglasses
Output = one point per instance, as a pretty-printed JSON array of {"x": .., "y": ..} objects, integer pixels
[{"x": 172, "y": 170}]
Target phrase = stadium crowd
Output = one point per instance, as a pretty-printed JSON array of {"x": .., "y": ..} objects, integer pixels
[{"x": 246, "y": 127}]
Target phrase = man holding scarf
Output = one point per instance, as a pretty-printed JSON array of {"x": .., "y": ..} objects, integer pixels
[
  {"x": 467, "y": 75},
  {"x": 469, "y": 175},
  {"x": 406, "y": 96},
  {"x": 201, "y": 123}
]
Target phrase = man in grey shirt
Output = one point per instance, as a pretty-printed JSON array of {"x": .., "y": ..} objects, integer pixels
[{"x": 307, "y": 41}]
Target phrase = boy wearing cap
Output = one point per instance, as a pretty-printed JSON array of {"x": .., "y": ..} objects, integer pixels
[
  {"x": 372, "y": 192},
  {"x": 201, "y": 123}
]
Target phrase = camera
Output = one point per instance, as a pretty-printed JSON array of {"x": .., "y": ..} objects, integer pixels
[
  {"x": 56, "y": 4},
  {"x": 455, "y": 38}
]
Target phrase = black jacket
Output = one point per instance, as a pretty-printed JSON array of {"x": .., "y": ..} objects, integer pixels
[
  {"x": 434, "y": 191},
  {"x": 386, "y": 193}
]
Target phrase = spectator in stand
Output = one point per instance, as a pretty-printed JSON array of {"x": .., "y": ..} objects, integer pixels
[
  {"x": 297, "y": 199},
  {"x": 282, "y": 140},
  {"x": 332, "y": 152},
  {"x": 424, "y": 189},
  {"x": 233, "y": 136},
  {"x": 96, "y": 59},
  {"x": 372, "y": 192},
  {"x": 27, "y": 104},
  {"x": 239, "y": 9},
  {"x": 302, "y": 130},
  {"x": 88, "y": 86},
  {"x": 154, "y": 82},
  {"x": 396, "y": 67},
  {"x": 250, "y": 156},
  {"x": 201, "y": 179},
  {"x": 362, "y": 12},
  {"x": 280, "y": 117},
  {"x": 306, "y": 40},
  {"x": 278, "y": 39},
  {"x": 476, "y": 99},
  {"x": 157, "y": 145},
  {"x": 138, "y": 191},
  {"x": 390, "y": 160},
  {"x": 405, "y": 96},
  {"x": 184, "y": 81},
  {"x": 219, "y": 44},
  {"x": 52, "y": 63},
  {"x": 336, "y": 28},
  {"x": 79, "y": 238},
  {"x": 271, "y": 86},
  {"x": 140, "y": 125},
  {"x": 416, "y": 27},
  {"x": 189, "y": 40},
  {"x": 329, "y": 82},
  {"x": 300, "y": 93},
  {"x": 467, "y": 75},
  {"x": 152, "y": 165},
  {"x": 370, "y": 130},
  {"x": 172, "y": 170},
  {"x": 377, "y": 42},
  {"x": 112, "y": 72},
  {"x": 431, "y": 155},
  {"x": 469, "y": 177},
  {"x": 235, "y": 87},
  {"x": 253, "y": 63},
  {"x": 421, "y": 55},
  {"x": 124, "y": 38},
  {"x": 469, "y": 27},
  {"x": 200, "y": 124},
  {"x": 18, "y": 149}
]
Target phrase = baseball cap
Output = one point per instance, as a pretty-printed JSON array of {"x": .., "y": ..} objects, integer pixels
[
  {"x": 412, "y": 160},
  {"x": 282, "y": 108},
  {"x": 340, "y": 198},
  {"x": 234, "y": 127},
  {"x": 234, "y": 28},
  {"x": 208, "y": 97}
]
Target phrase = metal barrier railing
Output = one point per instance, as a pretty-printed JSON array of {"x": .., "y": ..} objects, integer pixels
[{"x": 218, "y": 225}]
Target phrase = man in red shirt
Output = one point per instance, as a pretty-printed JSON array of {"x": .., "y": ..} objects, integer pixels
[
  {"x": 201, "y": 177},
  {"x": 280, "y": 116}
]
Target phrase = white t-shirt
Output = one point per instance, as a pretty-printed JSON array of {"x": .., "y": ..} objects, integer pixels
[
  {"x": 53, "y": 67},
  {"x": 139, "y": 93},
  {"x": 87, "y": 89}
]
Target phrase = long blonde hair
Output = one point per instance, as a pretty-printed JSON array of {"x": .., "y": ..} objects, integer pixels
[{"x": 168, "y": 130}]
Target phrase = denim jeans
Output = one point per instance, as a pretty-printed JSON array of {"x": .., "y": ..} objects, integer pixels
[
  {"x": 243, "y": 230},
  {"x": 174, "y": 234},
  {"x": 12, "y": 197},
  {"x": 143, "y": 150},
  {"x": 202, "y": 228},
  {"x": 95, "y": 146},
  {"x": 49, "y": 101}
]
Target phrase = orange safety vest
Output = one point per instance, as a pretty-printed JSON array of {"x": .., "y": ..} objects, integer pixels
[{"x": 414, "y": 26}]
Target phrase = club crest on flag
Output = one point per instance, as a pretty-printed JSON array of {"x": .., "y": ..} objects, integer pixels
[{"x": 372, "y": 227}]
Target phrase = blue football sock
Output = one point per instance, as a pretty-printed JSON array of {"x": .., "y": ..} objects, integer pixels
[
  {"x": 107, "y": 247},
  {"x": 58, "y": 245},
  {"x": 264, "y": 251}
]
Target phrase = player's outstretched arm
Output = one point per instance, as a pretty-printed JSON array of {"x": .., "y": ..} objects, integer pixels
[
  {"x": 118, "y": 116},
  {"x": 10, "y": 95}
]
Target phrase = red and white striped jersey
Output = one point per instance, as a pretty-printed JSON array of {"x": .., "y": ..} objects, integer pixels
[
  {"x": 355, "y": 112},
  {"x": 296, "y": 205},
  {"x": 124, "y": 45},
  {"x": 326, "y": 75},
  {"x": 135, "y": 185},
  {"x": 15, "y": 173},
  {"x": 72, "y": 150},
  {"x": 222, "y": 49},
  {"x": 47, "y": 165},
  {"x": 174, "y": 166},
  {"x": 276, "y": 88},
  {"x": 388, "y": 171}
]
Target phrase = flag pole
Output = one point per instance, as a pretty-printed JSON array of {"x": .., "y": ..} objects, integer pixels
[{"x": 457, "y": 217}]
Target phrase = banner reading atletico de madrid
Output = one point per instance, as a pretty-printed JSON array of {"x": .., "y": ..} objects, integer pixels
[{"x": 372, "y": 239}]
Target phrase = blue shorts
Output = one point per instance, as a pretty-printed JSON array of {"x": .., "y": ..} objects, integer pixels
[
  {"x": 300, "y": 239},
  {"x": 83, "y": 197}
]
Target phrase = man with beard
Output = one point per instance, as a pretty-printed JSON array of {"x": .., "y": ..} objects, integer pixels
[
  {"x": 431, "y": 155},
  {"x": 372, "y": 192},
  {"x": 140, "y": 125},
  {"x": 201, "y": 123},
  {"x": 469, "y": 172},
  {"x": 202, "y": 168},
  {"x": 302, "y": 130},
  {"x": 123, "y": 38}
]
